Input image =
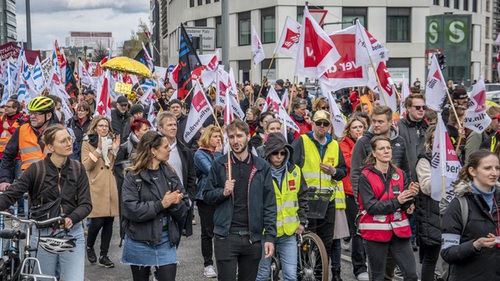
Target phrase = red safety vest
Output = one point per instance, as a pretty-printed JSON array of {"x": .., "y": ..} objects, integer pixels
[{"x": 381, "y": 227}]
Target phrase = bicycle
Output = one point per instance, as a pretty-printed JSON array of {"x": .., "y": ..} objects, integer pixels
[
  {"x": 14, "y": 266},
  {"x": 312, "y": 258}
]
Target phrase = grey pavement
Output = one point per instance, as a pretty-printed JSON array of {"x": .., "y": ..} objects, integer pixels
[{"x": 190, "y": 261}]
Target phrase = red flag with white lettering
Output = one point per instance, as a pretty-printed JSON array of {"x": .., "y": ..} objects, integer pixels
[
  {"x": 317, "y": 52},
  {"x": 104, "y": 104},
  {"x": 198, "y": 114},
  {"x": 476, "y": 118},
  {"x": 435, "y": 89}
]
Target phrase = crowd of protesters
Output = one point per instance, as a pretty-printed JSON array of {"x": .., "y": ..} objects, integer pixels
[{"x": 376, "y": 176}]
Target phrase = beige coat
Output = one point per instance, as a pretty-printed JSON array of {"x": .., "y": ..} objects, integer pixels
[{"x": 103, "y": 191}]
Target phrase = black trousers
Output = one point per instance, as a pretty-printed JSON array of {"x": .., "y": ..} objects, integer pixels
[
  {"x": 429, "y": 255},
  {"x": 324, "y": 227},
  {"x": 96, "y": 224},
  {"x": 235, "y": 252},
  {"x": 206, "y": 213},
  {"x": 358, "y": 257}
]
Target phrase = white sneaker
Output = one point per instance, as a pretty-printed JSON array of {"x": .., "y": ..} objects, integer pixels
[
  {"x": 363, "y": 276},
  {"x": 209, "y": 272}
]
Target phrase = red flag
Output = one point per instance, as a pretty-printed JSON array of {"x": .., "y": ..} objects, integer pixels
[
  {"x": 317, "y": 52},
  {"x": 104, "y": 104},
  {"x": 198, "y": 114}
]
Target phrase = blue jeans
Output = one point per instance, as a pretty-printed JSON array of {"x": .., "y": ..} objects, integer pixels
[
  {"x": 286, "y": 246},
  {"x": 72, "y": 264}
]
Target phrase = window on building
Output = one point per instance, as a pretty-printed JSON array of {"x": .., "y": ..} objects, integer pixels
[
  {"x": 244, "y": 70},
  {"x": 268, "y": 26},
  {"x": 466, "y": 5},
  {"x": 401, "y": 64},
  {"x": 200, "y": 2},
  {"x": 218, "y": 32},
  {"x": 488, "y": 4},
  {"x": 216, "y": 1},
  {"x": 201, "y": 22},
  {"x": 208, "y": 1},
  {"x": 272, "y": 70},
  {"x": 474, "y": 6},
  {"x": 447, "y": 3},
  {"x": 398, "y": 25},
  {"x": 456, "y": 4},
  {"x": 350, "y": 14},
  {"x": 487, "y": 28},
  {"x": 244, "y": 29},
  {"x": 487, "y": 54},
  {"x": 191, "y": 3},
  {"x": 435, "y": 2}
]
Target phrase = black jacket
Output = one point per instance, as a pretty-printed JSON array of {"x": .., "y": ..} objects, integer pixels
[
  {"x": 120, "y": 124},
  {"x": 414, "y": 135},
  {"x": 123, "y": 160},
  {"x": 466, "y": 263},
  {"x": 261, "y": 198},
  {"x": 142, "y": 208},
  {"x": 188, "y": 169},
  {"x": 428, "y": 216},
  {"x": 362, "y": 148},
  {"x": 80, "y": 131},
  {"x": 75, "y": 192}
]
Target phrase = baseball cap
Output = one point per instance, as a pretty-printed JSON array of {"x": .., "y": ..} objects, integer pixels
[
  {"x": 321, "y": 115},
  {"x": 122, "y": 100}
]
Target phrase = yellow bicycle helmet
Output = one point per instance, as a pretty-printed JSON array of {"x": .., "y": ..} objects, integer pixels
[{"x": 41, "y": 104}]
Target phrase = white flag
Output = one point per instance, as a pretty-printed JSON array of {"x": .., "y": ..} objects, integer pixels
[
  {"x": 435, "y": 89},
  {"x": 337, "y": 119},
  {"x": 199, "y": 112},
  {"x": 257, "y": 49},
  {"x": 476, "y": 118},
  {"x": 367, "y": 46},
  {"x": 211, "y": 63},
  {"x": 38, "y": 77},
  {"x": 289, "y": 40},
  {"x": 221, "y": 87},
  {"x": 445, "y": 165},
  {"x": 84, "y": 75},
  {"x": 317, "y": 53},
  {"x": 286, "y": 120},
  {"x": 405, "y": 92},
  {"x": 497, "y": 41}
]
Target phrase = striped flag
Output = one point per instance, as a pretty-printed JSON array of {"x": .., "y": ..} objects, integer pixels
[{"x": 38, "y": 77}]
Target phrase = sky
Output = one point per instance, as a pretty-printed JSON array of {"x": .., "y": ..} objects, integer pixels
[{"x": 54, "y": 19}]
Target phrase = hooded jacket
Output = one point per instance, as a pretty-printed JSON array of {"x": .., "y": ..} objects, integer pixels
[
  {"x": 414, "y": 135},
  {"x": 467, "y": 263},
  {"x": 275, "y": 142},
  {"x": 362, "y": 148}
]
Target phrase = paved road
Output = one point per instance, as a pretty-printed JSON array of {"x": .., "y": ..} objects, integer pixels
[{"x": 189, "y": 269}]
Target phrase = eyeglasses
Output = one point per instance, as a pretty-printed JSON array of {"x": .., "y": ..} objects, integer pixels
[
  {"x": 282, "y": 153},
  {"x": 324, "y": 123},
  {"x": 261, "y": 104},
  {"x": 419, "y": 107},
  {"x": 103, "y": 126},
  {"x": 325, "y": 108}
]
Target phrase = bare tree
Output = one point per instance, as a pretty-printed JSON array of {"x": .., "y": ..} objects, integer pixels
[{"x": 133, "y": 46}]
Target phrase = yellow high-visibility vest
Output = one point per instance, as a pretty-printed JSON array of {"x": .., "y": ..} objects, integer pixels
[{"x": 287, "y": 203}]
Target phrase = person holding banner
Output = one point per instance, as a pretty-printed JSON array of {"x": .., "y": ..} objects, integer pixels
[
  {"x": 471, "y": 243},
  {"x": 386, "y": 197},
  {"x": 427, "y": 211}
]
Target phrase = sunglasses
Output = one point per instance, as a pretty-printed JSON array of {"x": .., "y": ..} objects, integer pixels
[
  {"x": 261, "y": 104},
  {"x": 324, "y": 123},
  {"x": 325, "y": 108},
  {"x": 419, "y": 107},
  {"x": 282, "y": 153}
]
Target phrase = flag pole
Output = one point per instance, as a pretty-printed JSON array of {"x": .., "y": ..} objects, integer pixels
[
  {"x": 376, "y": 76},
  {"x": 443, "y": 188},
  {"x": 295, "y": 80},
  {"x": 265, "y": 77},
  {"x": 250, "y": 79},
  {"x": 458, "y": 120},
  {"x": 191, "y": 90}
]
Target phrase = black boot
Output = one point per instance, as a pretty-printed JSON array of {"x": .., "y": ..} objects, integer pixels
[{"x": 336, "y": 275}]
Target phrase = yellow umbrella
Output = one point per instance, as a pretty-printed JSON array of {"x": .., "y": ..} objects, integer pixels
[
  {"x": 491, "y": 103},
  {"x": 128, "y": 65}
]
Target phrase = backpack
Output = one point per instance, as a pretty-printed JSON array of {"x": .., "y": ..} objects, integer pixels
[{"x": 464, "y": 209}]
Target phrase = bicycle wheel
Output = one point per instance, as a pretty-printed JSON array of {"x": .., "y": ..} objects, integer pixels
[{"x": 313, "y": 259}]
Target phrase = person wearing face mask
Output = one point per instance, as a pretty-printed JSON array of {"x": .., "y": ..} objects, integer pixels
[{"x": 99, "y": 150}]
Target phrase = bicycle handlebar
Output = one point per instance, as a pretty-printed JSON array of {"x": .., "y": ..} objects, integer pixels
[{"x": 32, "y": 221}]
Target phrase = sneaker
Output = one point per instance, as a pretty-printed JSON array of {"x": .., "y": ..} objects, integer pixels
[
  {"x": 209, "y": 272},
  {"x": 105, "y": 262},
  {"x": 91, "y": 255},
  {"x": 345, "y": 245},
  {"x": 398, "y": 273},
  {"x": 363, "y": 276}
]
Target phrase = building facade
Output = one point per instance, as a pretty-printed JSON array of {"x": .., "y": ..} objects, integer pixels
[
  {"x": 8, "y": 23},
  {"x": 93, "y": 40},
  {"x": 400, "y": 25}
]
